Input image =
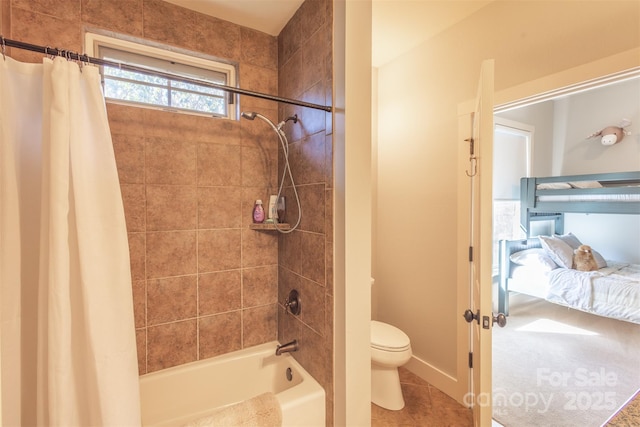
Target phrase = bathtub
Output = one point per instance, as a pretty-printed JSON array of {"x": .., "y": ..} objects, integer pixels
[{"x": 177, "y": 395}]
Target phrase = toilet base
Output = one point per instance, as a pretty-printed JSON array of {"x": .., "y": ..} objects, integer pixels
[{"x": 385, "y": 387}]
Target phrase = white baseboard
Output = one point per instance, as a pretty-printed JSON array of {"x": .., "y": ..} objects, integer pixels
[{"x": 437, "y": 378}]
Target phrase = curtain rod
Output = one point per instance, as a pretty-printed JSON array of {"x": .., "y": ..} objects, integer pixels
[{"x": 75, "y": 56}]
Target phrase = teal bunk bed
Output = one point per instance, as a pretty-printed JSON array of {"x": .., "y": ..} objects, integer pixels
[{"x": 549, "y": 198}]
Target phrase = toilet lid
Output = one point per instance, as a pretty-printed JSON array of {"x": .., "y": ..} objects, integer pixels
[{"x": 385, "y": 336}]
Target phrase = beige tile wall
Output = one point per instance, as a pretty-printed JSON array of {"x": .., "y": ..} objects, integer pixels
[
  {"x": 203, "y": 283},
  {"x": 305, "y": 256}
]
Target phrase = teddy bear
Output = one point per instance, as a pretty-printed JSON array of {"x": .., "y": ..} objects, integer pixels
[{"x": 583, "y": 259}]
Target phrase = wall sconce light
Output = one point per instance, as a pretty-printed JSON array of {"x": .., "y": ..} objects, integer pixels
[{"x": 612, "y": 134}]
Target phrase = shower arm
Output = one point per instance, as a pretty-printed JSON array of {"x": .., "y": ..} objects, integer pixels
[
  {"x": 282, "y": 123},
  {"x": 294, "y": 118}
]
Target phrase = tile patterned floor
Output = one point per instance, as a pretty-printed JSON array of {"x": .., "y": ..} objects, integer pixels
[
  {"x": 425, "y": 405},
  {"x": 629, "y": 415}
]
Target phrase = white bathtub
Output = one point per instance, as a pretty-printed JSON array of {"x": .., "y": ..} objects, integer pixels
[{"x": 177, "y": 395}]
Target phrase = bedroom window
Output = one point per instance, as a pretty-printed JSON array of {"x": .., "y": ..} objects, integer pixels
[
  {"x": 513, "y": 145},
  {"x": 141, "y": 89}
]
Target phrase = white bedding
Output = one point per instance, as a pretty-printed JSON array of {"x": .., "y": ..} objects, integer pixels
[
  {"x": 529, "y": 280},
  {"x": 613, "y": 291},
  {"x": 590, "y": 198},
  {"x": 583, "y": 197}
]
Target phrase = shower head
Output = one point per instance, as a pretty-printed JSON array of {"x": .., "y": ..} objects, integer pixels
[
  {"x": 252, "y": 115},
  {"x": 248, "y": 115}
]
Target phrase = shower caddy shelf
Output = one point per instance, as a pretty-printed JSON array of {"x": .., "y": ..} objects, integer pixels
[{"x": 269, "y": 227}]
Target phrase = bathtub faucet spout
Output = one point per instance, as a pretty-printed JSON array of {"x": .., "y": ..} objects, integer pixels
[{"x": 287, "y": 348}]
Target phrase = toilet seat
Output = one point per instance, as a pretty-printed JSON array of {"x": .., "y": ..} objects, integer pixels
[{"x": 386, "y": 337}]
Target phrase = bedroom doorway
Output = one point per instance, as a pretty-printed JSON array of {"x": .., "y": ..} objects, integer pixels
[{"x": 549, "y": 366}]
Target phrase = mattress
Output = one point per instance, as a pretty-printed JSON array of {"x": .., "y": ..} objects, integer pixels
[
  {"x": 574, "y": 192},
  {"x": 591, "y": 198},
  {"x": 613, "y": 291},
  {"x": 529, "y": 280}
]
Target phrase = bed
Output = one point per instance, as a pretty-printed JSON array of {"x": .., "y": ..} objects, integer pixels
[
  {"x": 548, "y": 198},
  {"x": 541, "y": 266},
  {"x": 527, "y": 266}
]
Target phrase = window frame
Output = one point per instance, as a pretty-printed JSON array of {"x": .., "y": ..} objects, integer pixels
[{"x": 93, "y": 41}]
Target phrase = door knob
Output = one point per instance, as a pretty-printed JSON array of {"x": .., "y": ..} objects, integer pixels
[
  {"x": 470, "y": 316},
  {"x": 500, "y": 319}
]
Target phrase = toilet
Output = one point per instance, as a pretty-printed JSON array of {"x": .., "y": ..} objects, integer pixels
[{"x": 390, "y": 349}]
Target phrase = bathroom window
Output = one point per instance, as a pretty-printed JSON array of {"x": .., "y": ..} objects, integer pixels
[{"x": 142, "y": 89}]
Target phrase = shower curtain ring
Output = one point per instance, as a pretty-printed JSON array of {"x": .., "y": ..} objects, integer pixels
[{"x": 4, "y": 46}]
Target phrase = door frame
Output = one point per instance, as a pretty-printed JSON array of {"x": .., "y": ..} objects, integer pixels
[
  {"x": 474, "y": 182},
  {"x": 615, "y": 68}
]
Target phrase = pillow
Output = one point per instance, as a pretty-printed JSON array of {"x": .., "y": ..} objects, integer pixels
[
  {"x": 585, "y": 184},
  {"x": 600, "y": 261},
  {"x": 536, "y": 257},
  {"x": 570, "y": 239},
  {"x": 574, "y": 242},
  {"x": 553, "y": 186},
  {"x": 559, "y": 251}
]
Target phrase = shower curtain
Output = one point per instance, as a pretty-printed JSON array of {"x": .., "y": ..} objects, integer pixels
[{"x": 67, "y": 339}]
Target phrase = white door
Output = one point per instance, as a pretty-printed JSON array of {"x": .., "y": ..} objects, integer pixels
[{"x": 479, "y": 177}]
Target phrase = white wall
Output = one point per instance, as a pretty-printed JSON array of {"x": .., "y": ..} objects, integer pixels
[
  {"x": 374, "y": 185},
  {"x": 588, "y": 112},
  {"x": 533, "y": 44},
  {"x": 352, "y": 213},
  {"x": 616, "y": 237},
  {"x": 565, "y": 124}
]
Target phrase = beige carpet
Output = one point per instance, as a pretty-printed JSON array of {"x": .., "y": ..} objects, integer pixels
[{"x": 553, "y": 366}]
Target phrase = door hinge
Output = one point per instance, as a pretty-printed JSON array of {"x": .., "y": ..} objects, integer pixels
[
  {"x": 470, "y": 360},
  {"x": 471, "y": 141},
  {"x": 470, "y": 253}
]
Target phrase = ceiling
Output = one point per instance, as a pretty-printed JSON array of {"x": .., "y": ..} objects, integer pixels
[
  {"x": 397, "y": 25},
  {"x": 268, "y": 16},
  {"x": 400, "y": 25}
]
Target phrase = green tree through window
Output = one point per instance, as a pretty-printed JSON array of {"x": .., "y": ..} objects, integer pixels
[{"x": 140, "y": 88}]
